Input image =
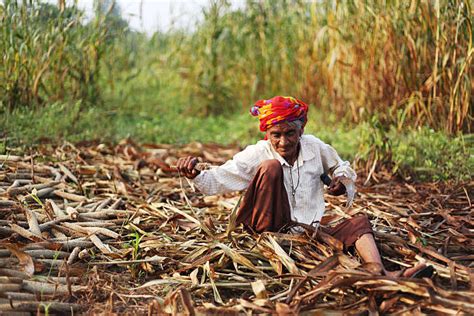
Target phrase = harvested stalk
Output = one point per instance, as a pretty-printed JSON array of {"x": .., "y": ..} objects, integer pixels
[
  {"x": 10, "y": 158},
  {"x": 154, "y": 259},
  {"x": 47, "y": 253},
  {"x": 25, "y": 233},
  {"x": 56, "y": 209},
  {"x": 33, "y": 222},
  {"x": 68, "y": 173},
  {"x": 5, "y": 253},
  {"x": 71, "y": 243},
  {"x": 19, "y": 182},
  {"x": 102, "y": 204},
  {"x": 91, "y": 230},
  {"x": 14, "y": 273},
  {"x": 72, "y": 257},
  {"x": 10, "y": 287},
  {"x": 48, "y": 225},
  {"x": 84, "y": 254},
  {"x": 8, "y": 279},
  {"x": 19, "y": 296},
  {"x": 98, "y": 224},
  {"x": 100, "y": 245},
  {"x": 115, "y": 204},
  {"x": 201, "y": 166},
  {"x": 7, "y": 203},
  {"x": 52, "y": 263},
  {"x": 44, "y": 192},
  {"x": 31, "y": 306},
  {"x": 58, "y": 234},
  {"x": 5, "y": 231},
  {"x": 28, "y": 188},
  {"x": 70, "y": 196},
  {"x": 56, "y": 173},
  {"x": 20, "y": 176},
  {"x": 104, "y": 214},
  {"x": 72, "y": 213},
  {"x": 54, "y": 280}
]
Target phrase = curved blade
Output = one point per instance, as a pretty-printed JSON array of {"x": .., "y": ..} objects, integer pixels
[{"x": 350, "y": 189}]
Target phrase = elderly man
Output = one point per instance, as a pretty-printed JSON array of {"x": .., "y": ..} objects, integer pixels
[{"x": 282, "y": 177}]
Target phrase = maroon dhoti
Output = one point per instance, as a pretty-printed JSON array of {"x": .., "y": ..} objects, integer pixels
[{"x": 265, "y": 207}]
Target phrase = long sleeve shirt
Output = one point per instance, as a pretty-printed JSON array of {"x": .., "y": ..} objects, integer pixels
[{"x": 303, "y": 178}]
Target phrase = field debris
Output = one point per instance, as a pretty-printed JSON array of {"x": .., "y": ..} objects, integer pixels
[{"x": 95, "y": 228}]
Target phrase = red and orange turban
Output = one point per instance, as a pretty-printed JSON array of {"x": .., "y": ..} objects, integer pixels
[{"x": 279, "y": 109}]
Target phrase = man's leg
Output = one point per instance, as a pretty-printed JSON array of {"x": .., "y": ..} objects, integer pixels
[
  {"x": 265, "y": 206},
  {"x": 367, "y": 249},
  {"x": 357, "y": 232},
  {"x": 350, "y": 231}
]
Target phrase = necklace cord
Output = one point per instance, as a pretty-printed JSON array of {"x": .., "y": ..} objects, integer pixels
[{"x": 293, "y": 188}]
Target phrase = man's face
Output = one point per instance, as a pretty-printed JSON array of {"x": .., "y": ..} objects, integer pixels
[{"x": 285, "y": 139}]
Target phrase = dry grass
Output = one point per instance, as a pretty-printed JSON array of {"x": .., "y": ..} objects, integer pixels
[{"x": 126, "y": 235}]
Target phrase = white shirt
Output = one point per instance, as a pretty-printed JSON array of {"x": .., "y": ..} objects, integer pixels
[{"x": 315, "y": 158}]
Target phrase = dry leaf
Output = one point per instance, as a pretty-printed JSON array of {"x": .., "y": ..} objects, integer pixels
[{"x": 26, "y": 262}]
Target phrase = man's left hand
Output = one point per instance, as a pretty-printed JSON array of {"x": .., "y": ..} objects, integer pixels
[{"x": 336, "y": 187}]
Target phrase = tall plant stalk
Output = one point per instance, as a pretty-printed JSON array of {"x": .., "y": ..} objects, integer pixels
[
  {"x": 49, "y": 53},
  {"x": 410, "y": 63}
]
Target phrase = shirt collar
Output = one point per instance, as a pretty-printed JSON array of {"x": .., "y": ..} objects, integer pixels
[{"x": 305, "y": 151}]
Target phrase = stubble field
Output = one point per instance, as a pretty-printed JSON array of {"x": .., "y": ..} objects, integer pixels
[{"x": 92, "y": 227}]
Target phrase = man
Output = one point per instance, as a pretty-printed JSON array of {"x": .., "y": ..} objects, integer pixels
[{"x": 282, "y": 177}]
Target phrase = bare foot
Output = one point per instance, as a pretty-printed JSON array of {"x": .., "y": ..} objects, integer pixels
[{"x": 407, "y": 272}]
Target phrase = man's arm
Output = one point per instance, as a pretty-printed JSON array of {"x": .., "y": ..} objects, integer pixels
[
  {"x": 332, "y": 163},
  {"x": 234, "y": 175}
]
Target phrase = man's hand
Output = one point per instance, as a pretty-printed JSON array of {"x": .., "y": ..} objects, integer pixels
[
  {"x": 186, "y": 167},
  {"x": 336, "y": 187}
]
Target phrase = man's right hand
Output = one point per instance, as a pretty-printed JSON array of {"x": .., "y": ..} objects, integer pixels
[
  {"x": 336, "y": 187},
  {"x": 186, "y": 167}
]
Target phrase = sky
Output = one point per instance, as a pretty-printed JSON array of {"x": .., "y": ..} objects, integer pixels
[{"x": 158, "y": 14}]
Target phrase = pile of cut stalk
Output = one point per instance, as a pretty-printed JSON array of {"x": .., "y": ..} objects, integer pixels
[{"x": 97, "y": 228}]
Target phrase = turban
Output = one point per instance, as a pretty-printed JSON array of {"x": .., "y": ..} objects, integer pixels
[{"x": 279, "y": 109}]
